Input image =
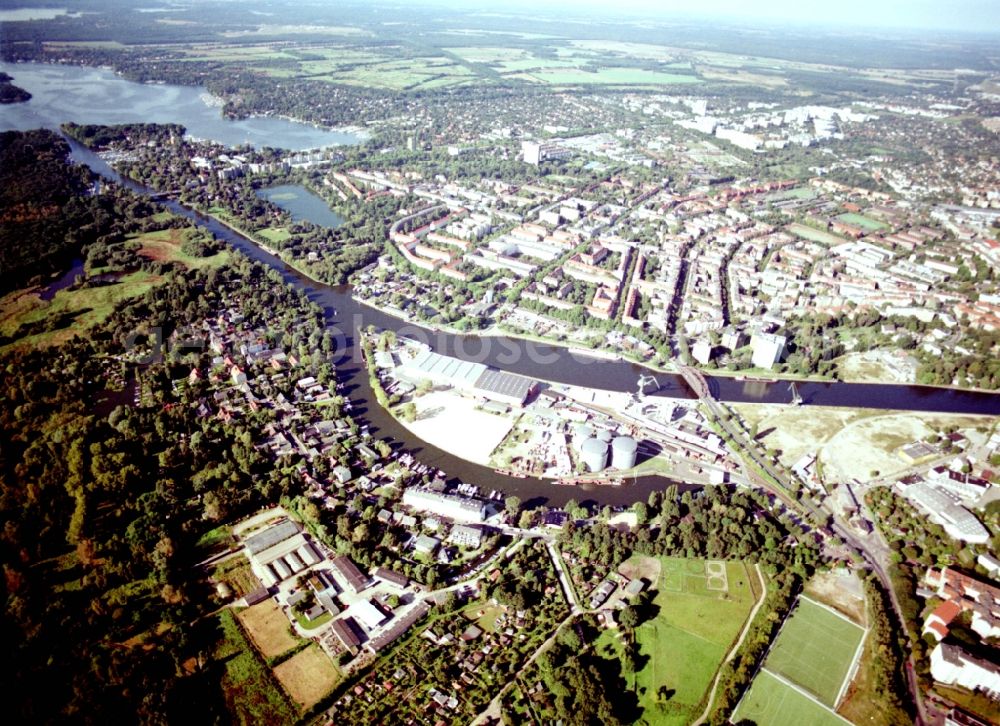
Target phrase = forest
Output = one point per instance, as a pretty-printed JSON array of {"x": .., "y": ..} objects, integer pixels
[
  {"x": 9, "y": 93},
  {"x": 104, "y": 501},
  {"x": 45, "y": 216}
]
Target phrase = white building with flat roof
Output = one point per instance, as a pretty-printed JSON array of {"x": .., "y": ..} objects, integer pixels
[
  {"x": 367, "y": 614},
  {"x": 459, "y": 509},
  {"x": 767, "y": 349},
  {"x": 536, "y": 152},
  {"x": 952, "y": 666},
  {"x": 956, "y": 520}
]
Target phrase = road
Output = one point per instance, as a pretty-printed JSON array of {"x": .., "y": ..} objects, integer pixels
[
  {"x": 872, "y": 549},
  {"x": 492, "y": 711}
]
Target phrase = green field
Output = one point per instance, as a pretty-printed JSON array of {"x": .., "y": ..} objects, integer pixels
[
  {"x": 795, "y": 193},
  {"x": 815, "y": 649},
  {"x": 687, "y": 640},
  {"x": 815, "y": 235},
  {"x": 483, "y": 54},
  {"x": 275, "y": 234},
  {"x": 859, "y": 220},
  {"x": 769, "y": 702},
  {"x": 31, "y": 320},
  {"x": 167, "y": 245}
]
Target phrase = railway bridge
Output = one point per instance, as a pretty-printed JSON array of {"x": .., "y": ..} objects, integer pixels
[{"x": 696, "y": 380}]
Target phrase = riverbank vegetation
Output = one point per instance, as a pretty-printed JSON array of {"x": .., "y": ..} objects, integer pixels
[{"x": 212, "y": 179}]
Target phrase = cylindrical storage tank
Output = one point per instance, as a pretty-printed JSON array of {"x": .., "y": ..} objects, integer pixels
[
  {"x": 581, "y": 432},
  {"x": 605, "y": 436},
  {"x": 623, "y": 452},
  {"x": 594, "y": 454}
]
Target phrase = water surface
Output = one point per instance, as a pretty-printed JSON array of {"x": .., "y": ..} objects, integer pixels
[
  {"x": 62, "y": 93},
  {"x": 302, "y": 204}
]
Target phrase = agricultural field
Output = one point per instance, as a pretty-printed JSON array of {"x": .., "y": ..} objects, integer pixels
[
  {"x": 642, "y": 51},
  {"x": 268, "y": 628},
  {"x": 308, "y": 676},
  {"x": 405, "y": 74},
  {"x": 608, "y": 76},
  {"x": 389, "y": 67},
  {"x": 770, "y": 702},
  {"x": 727, "y": 75},
  {"x": 815, "y": 649},
  {"x": 252, "y": 694},
  {"x": 237, "y": 53},
  {"x": 700, "y": 607},
  {"x": 488, "y": 55}
]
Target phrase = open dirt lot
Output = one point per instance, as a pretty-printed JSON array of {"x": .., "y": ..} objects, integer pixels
[
  {"x": 308, "y": 676},
  {"x": 648, "y": 568},
  {"x": 452, "y": 423},
  {"x": 878, "y": 366},
  {"x": 851, "y": 443},
  {"x": 268, "y": 628},
  {"x": 840, "y": 590}
]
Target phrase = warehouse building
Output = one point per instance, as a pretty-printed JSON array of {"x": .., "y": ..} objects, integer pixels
[
  {"x": 471, "y": 378},
  {"x": 350, "y": 575},
  {"x": 279, "y": 552}
]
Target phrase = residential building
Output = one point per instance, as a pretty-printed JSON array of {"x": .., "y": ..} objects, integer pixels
[
  {"x": 767, "y": 349},
  {"x": 466, "y": 536},
  {"x": 457, "y": 508},
  {"x": 968, "y": 594}
]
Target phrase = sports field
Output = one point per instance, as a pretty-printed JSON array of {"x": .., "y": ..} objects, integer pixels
[
  {"x": 769, "y": 702},
  {"x": 814, "y": 235},
  {"x": 815, "y": 650},
  {"x": 860, "y": 220},
  {"x": 701, "y": 608}
]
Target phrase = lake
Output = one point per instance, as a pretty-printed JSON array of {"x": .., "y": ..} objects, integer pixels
[
  {"x": 302, "y": 204},
  {"x": 63, "y": 93}
]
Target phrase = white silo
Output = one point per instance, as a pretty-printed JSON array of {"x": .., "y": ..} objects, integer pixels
[
  {"x": 623, "y": 452},
  {"x": 581, "y": 432},
  {"x": 594, "y": 454}
]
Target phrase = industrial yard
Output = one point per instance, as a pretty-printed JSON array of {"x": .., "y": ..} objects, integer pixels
[{"x": 534, "y": 428}]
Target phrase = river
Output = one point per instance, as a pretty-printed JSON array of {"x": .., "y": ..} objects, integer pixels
[
  {"x": 546, "y": 362},
  {"x": 105, "y": 98}
]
